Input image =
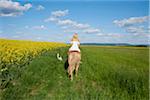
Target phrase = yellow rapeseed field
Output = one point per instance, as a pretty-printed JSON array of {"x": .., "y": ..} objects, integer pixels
[{"x": 19, "y": 52}]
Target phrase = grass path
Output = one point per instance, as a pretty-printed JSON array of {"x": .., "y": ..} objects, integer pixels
[{"x": 105, "y": 74}]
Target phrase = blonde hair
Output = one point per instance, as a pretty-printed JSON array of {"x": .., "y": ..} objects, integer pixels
[{"x": 75, "y": 37}]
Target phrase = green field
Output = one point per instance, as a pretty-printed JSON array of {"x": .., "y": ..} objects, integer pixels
[{"x": 106, "y": 73}]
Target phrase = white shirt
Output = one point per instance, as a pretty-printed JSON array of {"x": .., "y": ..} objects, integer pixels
[{"x": 74, "y": 46}]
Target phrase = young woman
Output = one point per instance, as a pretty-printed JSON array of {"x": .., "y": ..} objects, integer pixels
[{"x": 75, "y": 43}]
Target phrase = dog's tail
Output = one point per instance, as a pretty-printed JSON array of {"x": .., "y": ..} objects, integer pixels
[{"x": 59, "y": 57}]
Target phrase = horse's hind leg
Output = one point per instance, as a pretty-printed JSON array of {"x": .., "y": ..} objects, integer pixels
[
  {"x": 70, "y": 72},
  {"x": 77, "y": 64},
  {"x": 69, "y": 66},
  {"x": 76, "y": 68}
]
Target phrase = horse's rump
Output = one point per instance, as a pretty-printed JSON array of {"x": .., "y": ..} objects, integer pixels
[{"x": 74, "y": 57}]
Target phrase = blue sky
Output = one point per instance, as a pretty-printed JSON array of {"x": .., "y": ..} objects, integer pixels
[{"x": 110, "y": 21}]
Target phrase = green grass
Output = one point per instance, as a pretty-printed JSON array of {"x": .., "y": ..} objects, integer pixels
[{"x": 106, "y": 73}]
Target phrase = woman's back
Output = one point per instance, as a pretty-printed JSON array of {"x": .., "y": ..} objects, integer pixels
[{"x": 74, "y": 46}]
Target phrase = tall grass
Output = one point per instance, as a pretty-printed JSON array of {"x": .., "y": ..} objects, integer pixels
[{"x": 106, "y": 73}]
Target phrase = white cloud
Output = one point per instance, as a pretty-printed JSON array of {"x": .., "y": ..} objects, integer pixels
[
  {"x": 135, "y": 29},
  {"x": 56, "y": 14},
  {"x": 70, "y": 31},
  {"x": 135, "y": 25},
  {"x": 110, "y": 35},
  {"x": 51, "y": 19},
  {"x": 40, "y": 7},
  {"x": 131, "y": 21},
  {"x": 66, "y": 22},
  {"x": 59, "y": 13},
  {"x": 10, "y": 8},
  {"x": 91, "y": 30},
  {"x": 123, "y": 38},
  {"x": 41, "y": 27},
  {"x": 73, "y": 26},
  {"x": 81, "y": 26}
]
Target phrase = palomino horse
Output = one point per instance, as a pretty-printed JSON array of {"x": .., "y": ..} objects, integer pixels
[{"x": 74, "y": 58}]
